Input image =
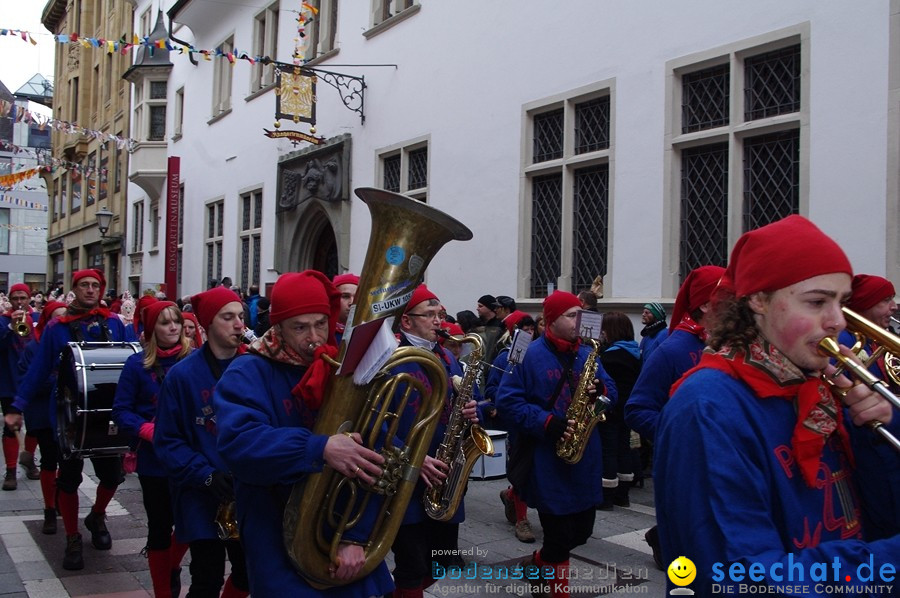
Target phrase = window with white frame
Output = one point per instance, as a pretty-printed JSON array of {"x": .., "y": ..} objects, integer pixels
[
  {"x": 150, "y": 110},
  {"x": 384, "y": 10},
  {"x": 222, "y": 75},
  {"x": 154, "y": 224},
  {"x": 265, "y": 43},
  {"x": 179, "y": 113},
  {"x": 323, "y": 29},
  {"x": 137, "y": 228},
  {"x": 737, "y": 144},
  {"x": 215, "y": 234},
  {"x": 144, "y": 24},
  {"x": 567, "y": 184},
  {"x": 251, "y": 237},
  {"x": 404, "y": 169}
]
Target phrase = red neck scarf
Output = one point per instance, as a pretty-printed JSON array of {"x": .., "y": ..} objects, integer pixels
[
  {"x": 688, "y": 324},
  {"x": 311, "y": 387},
  {"x": 163, "y": 353},
  {"x": 76, "y": 312},
  {"x": 770, "y": 374},
  {"x": 563, "y": 346}
]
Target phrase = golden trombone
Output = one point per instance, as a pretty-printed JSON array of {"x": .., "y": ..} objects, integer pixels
[{"x": 888, "y": 344}]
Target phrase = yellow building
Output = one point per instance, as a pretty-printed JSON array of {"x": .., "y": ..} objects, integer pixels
[{"x": 92, "y": 177}]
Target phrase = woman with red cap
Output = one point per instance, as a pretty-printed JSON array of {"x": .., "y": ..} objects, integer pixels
[
  {"x": 134, "y": 411},
  {"x": 85, "y": 320},
  {"x": 266, "y": 405},
  {"x": 192, "y": 330},
  {"x": 184, "y": 439},
  {"x": 752, "y": 466},
  {"x": 11, "y": 347},
  {"x": 535, "y": 397},
  {"x": 877, "y": 464},
  {"x": 40, "y": 414}
]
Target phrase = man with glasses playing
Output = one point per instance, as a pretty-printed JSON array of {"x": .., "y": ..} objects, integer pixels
[{"x": 85, "y": 320}]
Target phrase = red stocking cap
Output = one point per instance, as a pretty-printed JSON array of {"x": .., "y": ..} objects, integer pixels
[
  {"x": 558, "y": 303},
  {"x": 514, "y": 318},
  {"x": 868, "y": 291},
  {"x": 208, "y": 303},
  {"x": 307, "y": 292},
  {"x": 422, "y": 293},
  {"x": 92, "y": 273},
  {"x": 696, "y": 290},
  {"x": 780, "y": 254},
  {"x": 46, "y": 315},
  {"x": 20, "y": 286},
  {"x": 143, "y": 303},
  {"x": 347, "y": 278},
  {"x": 151, "y": 315}
]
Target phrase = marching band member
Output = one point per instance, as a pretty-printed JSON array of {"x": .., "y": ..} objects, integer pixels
[
  {"x": 266, "y": 405},
  {"x": 877, "y": 464},
  {"x": 752, "y": 460},
  {"x": 11, "y": 347},
  {"x": 192, "y": 329},
  {"x": 346, "y": 284},
  {"x": 535, "y": 397},
  {"x": 185, "y": 442},
  {"x": 134, "y": 411},
  {"x": 40, "y": 419},
  {"x": 421, "y": 537},
  {"x": 86, "y": 321}
]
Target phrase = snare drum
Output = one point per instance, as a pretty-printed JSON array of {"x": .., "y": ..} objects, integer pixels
[{"x": 86, "y": 387}]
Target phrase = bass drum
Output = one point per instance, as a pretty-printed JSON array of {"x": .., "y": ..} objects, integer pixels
[{"x": 86, "y": 387}]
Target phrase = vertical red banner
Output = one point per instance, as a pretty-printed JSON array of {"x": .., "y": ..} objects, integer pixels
[{"x": 173, "y": 189}]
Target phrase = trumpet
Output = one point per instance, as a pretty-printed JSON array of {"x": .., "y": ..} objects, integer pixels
[
  {"x": 23, "y": 326},
  {"x": 888, "y": 345}
]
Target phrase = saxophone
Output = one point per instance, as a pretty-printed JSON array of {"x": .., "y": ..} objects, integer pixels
[
  {"x": 586, "y": 412},
  {"x": 463, "y": 443}
]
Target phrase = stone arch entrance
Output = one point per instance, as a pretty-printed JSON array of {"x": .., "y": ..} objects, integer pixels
[{"x": 313, "y": 244}]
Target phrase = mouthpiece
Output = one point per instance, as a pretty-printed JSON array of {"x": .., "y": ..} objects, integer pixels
[{"x": 442, "y": 333}]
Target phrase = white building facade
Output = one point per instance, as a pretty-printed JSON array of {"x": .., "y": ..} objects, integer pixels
[{"x": 628, "y": 140}]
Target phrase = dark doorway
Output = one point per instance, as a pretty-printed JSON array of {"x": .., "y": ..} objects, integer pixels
[{"x": 325, "y": 254}]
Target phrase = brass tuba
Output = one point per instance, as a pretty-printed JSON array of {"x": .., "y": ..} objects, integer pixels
[
  {"x": 406, "y": 234},
  {"x": 586, "y": 411}
]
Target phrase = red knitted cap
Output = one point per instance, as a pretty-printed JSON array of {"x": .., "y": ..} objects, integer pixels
[
  {"x": 208, "y": 303},
  {"x": 92, "y": 273},
  {"x": 558, "y": 303},
  {"x": 869, "y": 290},
  {"x": 696, "y": 290},
  {"x": 307, "y": 292},
  {"x": 348, "y": 278},
  {"x": 151, "y": 315},
  {"x": 20, "y": 286},
  {"x": 422, "y": 293}
]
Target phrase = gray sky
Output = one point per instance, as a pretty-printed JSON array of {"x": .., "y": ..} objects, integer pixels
[{"x": 19, "y": 60}]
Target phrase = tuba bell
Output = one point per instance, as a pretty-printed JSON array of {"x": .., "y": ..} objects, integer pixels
[{"x": 406, "y": 234}]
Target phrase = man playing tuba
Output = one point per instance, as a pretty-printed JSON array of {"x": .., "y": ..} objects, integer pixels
[{"x": 266, "y": 405}]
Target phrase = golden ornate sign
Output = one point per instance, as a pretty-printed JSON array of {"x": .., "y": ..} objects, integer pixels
[{"x": 295, "y": 91}]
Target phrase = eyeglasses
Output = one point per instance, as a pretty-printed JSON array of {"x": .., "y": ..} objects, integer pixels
[{"x": 429, "y": 316}]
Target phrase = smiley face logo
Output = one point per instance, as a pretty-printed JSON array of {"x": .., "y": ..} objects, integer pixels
[{"x": 682, "y": 571}]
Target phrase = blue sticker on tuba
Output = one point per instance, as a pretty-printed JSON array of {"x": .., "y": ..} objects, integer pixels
[{"x": 395, "y": 255}]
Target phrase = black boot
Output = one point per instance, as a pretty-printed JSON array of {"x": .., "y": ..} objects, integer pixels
[
  {"x": 49, "y": 522},
  {"x": 96, "y": 524},
  {"x": 73, "y": 560},
  {"x": 620, "y": 495}
]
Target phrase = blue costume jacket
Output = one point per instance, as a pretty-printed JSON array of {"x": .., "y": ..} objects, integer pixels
[
  {"x": 652, "y": 341},
  {"x": 728, "y": 491},
  {"x": 136, "y": 404},
  {"x": 11, "y": 347},
  {"x": 54, "y": 338},
  {"x": 677, "y": 354},
  {"x": 265, "y": 438},
  {"x": 40, "y": 413},
  {"x": 877, "y": 466},
  {"x": 185, "y": 442},
  {"x": 554, "y": 486}
]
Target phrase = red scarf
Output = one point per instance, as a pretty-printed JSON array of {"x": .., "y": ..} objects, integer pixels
[
  {"x": 770, "y": 374},
  {"x": 562, "y": 346},
  {"x": 163, "y": 353},
  {"x": 688, "y": 324},
  {"x": 311, "y": 387},
  {"x": 76, "y": 312}
]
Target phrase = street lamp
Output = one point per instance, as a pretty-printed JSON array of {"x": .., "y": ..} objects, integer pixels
[{"x": 104, "y": 219}]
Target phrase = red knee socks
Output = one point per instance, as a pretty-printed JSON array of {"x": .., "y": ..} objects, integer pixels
[
  {"x": 48, "y": 488},
  {"x": 68, "y": 508},
  {"x": 160, "y": 572},
  {"x": 11, "y": 451}
]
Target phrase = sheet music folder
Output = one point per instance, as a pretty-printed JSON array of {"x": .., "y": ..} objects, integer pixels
[{"x": 370, "y": 346}]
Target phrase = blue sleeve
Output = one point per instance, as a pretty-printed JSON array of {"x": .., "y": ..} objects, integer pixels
[
  {"x": 171, "y": 439},
  {"x": 41, "y": 368},
  {"x": 6, "y": 335},
  {"x": 650, "y": 393},
  {"x": 512, "y": 400},
  {"x": 128, "y": 391},
  {"x": 495, "y": 373},
  {"x": 258, "y": 448}
]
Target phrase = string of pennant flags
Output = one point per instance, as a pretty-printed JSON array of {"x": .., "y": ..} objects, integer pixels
[
  {"x": 8, "y": 180},
  {"x": 20, "y": 114},
  {"x": 122, "y": 46},
  {"x": 22, "y": 203},
  {"x": 44, "y": 158}
]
